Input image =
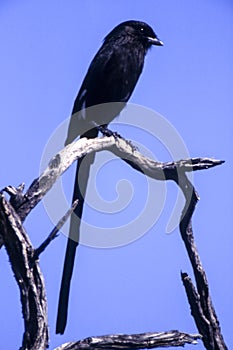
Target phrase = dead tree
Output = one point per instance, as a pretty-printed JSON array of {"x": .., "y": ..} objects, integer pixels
[{"x": 24, "y": 258}]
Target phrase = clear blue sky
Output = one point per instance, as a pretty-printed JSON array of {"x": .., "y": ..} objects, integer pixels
[{"x": 46, "y": 47}]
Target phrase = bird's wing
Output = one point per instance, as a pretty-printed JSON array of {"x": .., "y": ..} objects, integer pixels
[{"x": 110, "y": 78}]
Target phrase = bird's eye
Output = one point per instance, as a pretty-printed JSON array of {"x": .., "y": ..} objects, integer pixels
[{"x": 142, "y": 29}]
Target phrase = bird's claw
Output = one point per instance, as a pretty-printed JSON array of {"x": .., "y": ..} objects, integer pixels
[
  {"x": 130, "y": 143},
  {"x": 107, "y": 132}
]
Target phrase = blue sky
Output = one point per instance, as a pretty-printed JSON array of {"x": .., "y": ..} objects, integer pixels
[{"x": 46, "y": 48}]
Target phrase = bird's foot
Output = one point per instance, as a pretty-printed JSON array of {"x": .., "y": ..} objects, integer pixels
[
  {"x": 133, "y": 147},
  {"x": 107, "y": 132}
]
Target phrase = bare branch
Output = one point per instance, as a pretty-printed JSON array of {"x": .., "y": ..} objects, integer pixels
[
  {"x": 195, "y": 304},
  {"x": 199, "y": 298},
  {"x": 133, "y": 341},
  {"x": 54, "y": 232},
  {"x": 16, "y": 195},
  {"x": 200, "y": 301},
  {"x": 28, "y": 276},
  {"x": 121, "y": 148}
]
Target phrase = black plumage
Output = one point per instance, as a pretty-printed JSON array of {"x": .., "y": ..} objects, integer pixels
[{"x": 111, "y": 77}]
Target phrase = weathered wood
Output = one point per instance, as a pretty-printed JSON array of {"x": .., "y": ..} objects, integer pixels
[
  {"x": 199, "y": 298},
  {"x": 133, "y": 341},
  {"x": 30, "y": 279},
  {"x": 121, "y": 148},
  {"x": 54, "y": 232},
  {"x": 28, "y": 276}
]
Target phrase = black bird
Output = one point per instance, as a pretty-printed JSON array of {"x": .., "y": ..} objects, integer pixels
[{"x": 111, "y": 77}]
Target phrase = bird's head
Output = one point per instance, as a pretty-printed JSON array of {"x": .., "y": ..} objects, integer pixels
[{"x": 139, "y": 30}]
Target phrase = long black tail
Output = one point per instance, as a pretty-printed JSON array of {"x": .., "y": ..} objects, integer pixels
[{"x": 80, "y": 186}]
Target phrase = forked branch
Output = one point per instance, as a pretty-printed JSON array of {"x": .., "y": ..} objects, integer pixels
[{"x": 30, "y": 280}]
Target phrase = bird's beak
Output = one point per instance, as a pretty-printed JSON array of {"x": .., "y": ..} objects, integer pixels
[{"x": 155, "y": 41}]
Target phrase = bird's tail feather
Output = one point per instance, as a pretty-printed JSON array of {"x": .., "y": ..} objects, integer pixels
[{"x": 80, "y": 186}]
